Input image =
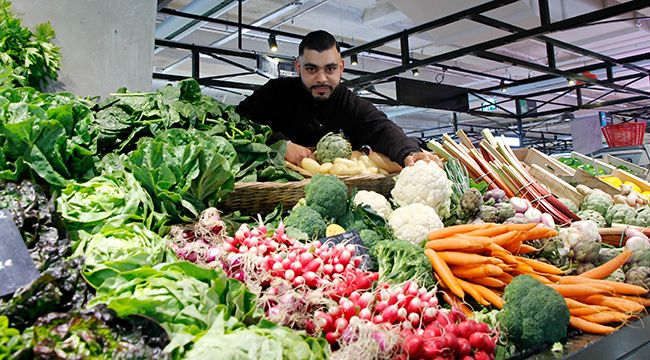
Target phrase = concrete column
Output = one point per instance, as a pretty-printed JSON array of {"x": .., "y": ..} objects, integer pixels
[{"x": 104, "y": 44}]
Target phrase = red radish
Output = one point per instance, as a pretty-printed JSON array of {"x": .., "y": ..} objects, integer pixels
[
  {"x": 298, "y": 280},
  {"x": 277, "y": 266},
  {"x": 479, "y": 340},
  {"x": 325, "y": 321},
  {"x": 378, "y": 319},
  {"x": 402, "y": 314},
  {"x": 338, "y": 268},
  {"x": 430, "y": 351},
  {"x": 464, "y": 347},
  {"x": 289, "y": 275},
  {"x": 296, "y": 267},
  {"x": 341, "y": 324},
  {"x": 335, "y": 311},
  {"x": 413, "y": 346},
  {"x": 414, "y": 305},
  {"x": 429, "y": 315},
  {"x": 328, "y": 269},
  {"x": 348, "y": 307},
  {"x": 243, "y": 249},
  {"x": 286, "y": 264},
  {"x": 306, "y": 258},
  {"x": 451, "y": 341},
  {"x": 414, "y": 319},
  {"x": 351, "y": 248},
  {"x": 390, "y": 313},
  {"x": 365, "y": 299},
  {"x": 354, "y": 296},
  {"x": 365, "y": 314},
  {"x": 481, "y": 355},
  {"x": 381, "y": 305},
  {"x": 311, "y": 279},
  {"x": 344, "y": 258},
  {"x": 466, "y": 328},
  {"x": 332, "y": 337},
  {"x": 451, "y": 328},
  {"x": 313, "y": 265},
  {"x": 482, "y": 327}
]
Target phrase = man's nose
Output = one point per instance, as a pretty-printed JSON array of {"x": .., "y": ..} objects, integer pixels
[{"x": 322, "y": 77}]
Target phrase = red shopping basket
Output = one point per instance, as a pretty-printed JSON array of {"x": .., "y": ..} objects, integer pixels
[{"x": 625, "y": 134}]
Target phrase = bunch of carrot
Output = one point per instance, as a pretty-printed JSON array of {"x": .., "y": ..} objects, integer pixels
[{"x": 479, "y": 260}]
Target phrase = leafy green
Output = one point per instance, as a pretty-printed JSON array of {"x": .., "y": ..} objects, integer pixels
[
  {"x": 30, "y": 57},
  {"x": 400, "y": 261},
  {"x": 45, "y": 136},
  {"x": 183, "y": 298},
  {"x": 107, "y": 200},
  {"x": 265, "y": 340},
  {"x": 10, "y": 340},
  {"x": 184, "y": 171}
]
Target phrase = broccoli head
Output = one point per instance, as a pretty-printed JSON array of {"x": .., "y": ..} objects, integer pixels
[
  {"x": 328, "y": 195},
  {"x": 306, "y": 220},
  {"x": 369, "y": 238},
  {"x": 533, "y": 313}
]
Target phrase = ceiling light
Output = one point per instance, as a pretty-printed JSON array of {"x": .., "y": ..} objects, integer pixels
[
  {"x": 273, "y": 44},
  {"x": 353, "y": 59},
  {"x": 568, "y": 116},
  {"x": 572, "y": 82},
  {"x": 415, "y": 72}
]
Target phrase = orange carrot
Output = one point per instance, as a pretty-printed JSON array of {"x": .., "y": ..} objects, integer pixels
[
  {"x": 574, "y": 304},
  {"x": 489, "y": 282},
  {"x": 507, "y": 238},
  {"x": 452, "y": 244},
  {"x": 588, "y": 310},
  {"x": 505, "y": 277},
  {"x": 539, "y": 232},
  {"x": 620, "y": 304},
  {"x": 609, "y": 267},
  {"x": 638, "y": 299},
  {"x": 442, "y": 269},
  {"x": 573, "y": 290},
  {"x": 553, "y": 278},
  {"x": 452, "y": 300},
  {"x": 616, "y": 287},
  {"x": 475, "y": 271},
  {"x": 539, "y": 278},
  {"x": 461, "y": 258},
  {"x": 457, "y": 229},
  {"x": 540, "y": 266},
  {"x": 501, "y": 229},
  {"x": 473, "y": 292},
  {"x": 524, "y": 268},
  {"x": 606, "y": 317},
  {"x": 525, "y": 249},
  {"x": 490, "y": 296},
  {"x": 590, "y": 327}
]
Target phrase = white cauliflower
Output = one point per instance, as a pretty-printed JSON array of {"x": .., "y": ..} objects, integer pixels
[
  {"x": 414, "y": 222},
  {"x": 425, "y": 183},
  {"x": 376, "y": 201}
]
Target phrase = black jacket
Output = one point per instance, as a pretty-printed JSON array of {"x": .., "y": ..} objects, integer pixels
[{"x": 289, "y": 109}]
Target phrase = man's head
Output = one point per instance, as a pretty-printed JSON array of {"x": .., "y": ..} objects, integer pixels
[{"x": 319, "y": 64}]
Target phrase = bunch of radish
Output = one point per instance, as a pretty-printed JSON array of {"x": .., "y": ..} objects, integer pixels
[
  {"x": 408, "y": 306},
  {"x": 450, "y": 336}
]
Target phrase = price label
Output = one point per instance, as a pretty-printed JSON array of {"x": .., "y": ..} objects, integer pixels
[{"x": 16, "y": 266}]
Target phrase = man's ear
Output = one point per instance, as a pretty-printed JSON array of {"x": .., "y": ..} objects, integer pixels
[
  {"x": 296, "y": 64},
  {"x": 342, "y": 65}
]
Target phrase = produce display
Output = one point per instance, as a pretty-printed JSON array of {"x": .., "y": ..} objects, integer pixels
[{"x": 118, "y": 203}]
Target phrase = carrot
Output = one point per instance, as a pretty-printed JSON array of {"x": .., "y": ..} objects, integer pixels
[
  {"x": 615, "y": 303},
  {"x": 540, "y": 266},
  {"x": 590, "y": 327},
  {"x": 501, "y": 229},
  {"x": 606, "y": 317},
  {"x": 461, "y": 258},
  {"x": 489, "y": 282},
  {"x": 505, "y": 277},
  {"x": 452, "y": 300},
  {"x": 471, "y": 290},
  {"x": 539, "y": 278},
  {"x": 507, "y": 238},
  {"x": 457, "y": 229},
  {"x": 637, "y": 299},
  {"x": 452, "y": 244},
  {"x": 442, "y": 269},
  {"x": 573, "y": 290},
  {"x": 593, "y": 309},
  {"x": 609, "y": 267},
  {"x": 553, "y": 278},
  {"x": 480, "y": 240},
  {"x": 575, "y": 304},
  {"x": 469, "y": 272},
  {"x": 524, "y": 268},
  {"x": 539, "y": 232},
  {"x": 616, "y": 287},
  {"x": 490, "y": 296},
  {"x": 525, "y": 249}
]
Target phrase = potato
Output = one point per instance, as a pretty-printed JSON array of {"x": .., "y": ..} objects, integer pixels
[
  {"x": 384, "y": 162},
  {"x": 356, "y": 154},
  {"x": 354, "y": 170},
  {"x": 383, "y": 172},
  {"x": 373, "y": 170},
  {"x": 346, "y": 162},
  {"x": 310, "y": 165},
  {"x": 339, "y": 169},
  {"x": 361, "y": 164},
  {"x": 325, "y": 168},
  {"x": 366, "y": 160}
]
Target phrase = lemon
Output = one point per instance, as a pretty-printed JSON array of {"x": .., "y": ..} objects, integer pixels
[
  {"x": 646, "y": 194},
  {"x": 333, "y": 230},
  {"x": 612, "y": 180},
  {"x": 634, "y": 186}
]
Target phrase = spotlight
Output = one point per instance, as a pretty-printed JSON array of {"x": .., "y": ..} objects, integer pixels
[
  {"x": 502, "y": 85},
  {"x": 415, "y": 72},
  {"x": 572, "y": 82},
  {"x": 273, "y": 44},
  {"x": 353, "y": 59}
]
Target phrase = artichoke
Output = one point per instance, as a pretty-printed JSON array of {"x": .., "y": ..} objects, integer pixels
[
  {"x": 470, "y": 203},
  {"x": 489, "y": 214},
  {"x": 620, "y": 214},
  {"x": 594, "y": 216},
  {"x": 506, "y": 211},
  {"x": 597, "y": 201},
  {"x": 642, "y": 217},
  {"x": 332, "y": 146},
  {"x": 639, "y": 276},
  {"x": 569, "y": 204}
]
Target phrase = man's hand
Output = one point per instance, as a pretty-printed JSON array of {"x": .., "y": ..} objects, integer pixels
[
  {"x": 422, "y": 155},
  {"x": 295, "y": 153}
]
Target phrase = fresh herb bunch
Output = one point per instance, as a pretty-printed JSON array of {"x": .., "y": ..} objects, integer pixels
[{"x": 30, "y": 56}]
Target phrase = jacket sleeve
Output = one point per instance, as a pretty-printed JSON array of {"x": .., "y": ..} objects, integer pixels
[
  {"x": 372, "y": 127},
  {"x": 257, "y": 107}
]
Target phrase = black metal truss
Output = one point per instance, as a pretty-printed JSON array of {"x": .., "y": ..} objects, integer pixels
[{"x": 365, "y": 79}]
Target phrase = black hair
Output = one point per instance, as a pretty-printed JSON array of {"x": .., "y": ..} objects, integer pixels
[{"x": 319, "y": 40}]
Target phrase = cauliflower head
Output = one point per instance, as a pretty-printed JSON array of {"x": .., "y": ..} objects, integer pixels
[
  {"x": 425, "y": 183},
  {"x": 376, "y": 201},
  {"x": 414, "y": 222}
]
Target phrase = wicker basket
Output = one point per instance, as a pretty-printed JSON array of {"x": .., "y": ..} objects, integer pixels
[{"x": 261, "y": 197}]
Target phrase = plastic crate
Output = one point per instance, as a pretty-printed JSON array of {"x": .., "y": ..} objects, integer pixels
[{"x": 625, "y": 134}]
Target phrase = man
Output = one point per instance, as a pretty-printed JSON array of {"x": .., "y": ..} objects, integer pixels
[{"x": 304, "y": 109}]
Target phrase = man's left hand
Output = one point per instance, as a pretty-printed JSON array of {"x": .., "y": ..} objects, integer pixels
[{"x": 422, "y": 155}]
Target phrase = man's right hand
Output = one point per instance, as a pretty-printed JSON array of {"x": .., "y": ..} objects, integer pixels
[{"x": 295, "y": 153}]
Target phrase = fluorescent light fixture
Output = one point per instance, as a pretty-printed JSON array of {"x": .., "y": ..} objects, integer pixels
[
  {"x": 502, "y": 84},
  {"x": 354, "y": 60},
  {"x": 572, "y": 82},
  {"x": 273, "y": 44}
]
